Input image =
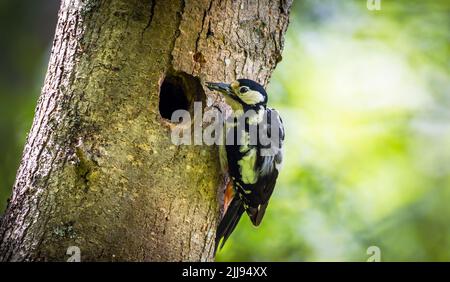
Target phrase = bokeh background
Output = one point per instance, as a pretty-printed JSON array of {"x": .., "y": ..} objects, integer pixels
[{"x": 365, "y": 97}]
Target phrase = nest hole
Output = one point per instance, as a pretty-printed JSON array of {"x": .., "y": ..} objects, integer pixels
[{"x": 178, "y": 92}]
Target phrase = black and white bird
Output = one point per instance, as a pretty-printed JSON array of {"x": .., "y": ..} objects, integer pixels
[{"x": 252, "y": 164}]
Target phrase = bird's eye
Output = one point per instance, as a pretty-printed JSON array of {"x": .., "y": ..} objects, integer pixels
[{"x": 243, "y": 89}]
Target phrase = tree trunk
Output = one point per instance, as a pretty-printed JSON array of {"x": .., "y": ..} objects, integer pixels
[{"x": 99, "y": 170}]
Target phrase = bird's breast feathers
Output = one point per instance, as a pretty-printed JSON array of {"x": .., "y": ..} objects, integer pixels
[{"x": 252, "y": 162}]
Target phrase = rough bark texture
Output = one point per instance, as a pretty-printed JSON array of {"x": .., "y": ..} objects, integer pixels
[{"x": 99, "y": 170}]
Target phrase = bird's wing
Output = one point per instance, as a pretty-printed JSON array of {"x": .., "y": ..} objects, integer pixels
[
  {"x": 271, "y": 155},
  {"x": 269, "y": 162}
]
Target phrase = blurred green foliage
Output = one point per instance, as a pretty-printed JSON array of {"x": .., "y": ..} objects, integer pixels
[
  {"x": 365, "y": 97},
  {"x": 26, "y": 33}
]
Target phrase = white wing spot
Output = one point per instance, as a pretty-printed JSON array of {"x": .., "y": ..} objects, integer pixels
[{"x": 247, "y": 167}]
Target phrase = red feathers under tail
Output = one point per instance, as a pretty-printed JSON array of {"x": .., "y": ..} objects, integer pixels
[{"x": 229, "y": 221}]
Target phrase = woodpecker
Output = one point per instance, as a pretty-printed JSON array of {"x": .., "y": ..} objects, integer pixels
[{"x": 253, "y": 167}]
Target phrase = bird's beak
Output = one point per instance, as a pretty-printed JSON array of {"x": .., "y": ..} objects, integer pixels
[{"x": 223, "y": 88}]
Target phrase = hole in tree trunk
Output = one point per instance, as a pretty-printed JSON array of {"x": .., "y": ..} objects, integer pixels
[{"x": 178, "y": 92}]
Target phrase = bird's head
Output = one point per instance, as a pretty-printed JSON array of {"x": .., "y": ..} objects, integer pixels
[{"x": 241, "y": 94}]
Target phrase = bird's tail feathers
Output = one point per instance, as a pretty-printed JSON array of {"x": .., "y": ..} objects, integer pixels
[
  {"x": 256, "y": 214},
  {"x": 229, "y": 221}
]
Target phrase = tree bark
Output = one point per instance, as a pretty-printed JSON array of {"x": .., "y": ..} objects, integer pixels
[{"x": 99, "y": 170}]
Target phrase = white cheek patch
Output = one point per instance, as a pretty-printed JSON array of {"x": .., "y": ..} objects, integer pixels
[{"x": 251, "y": 97}]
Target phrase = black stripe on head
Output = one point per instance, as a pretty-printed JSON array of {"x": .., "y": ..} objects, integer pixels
[{"x": 253, "y": 85}]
